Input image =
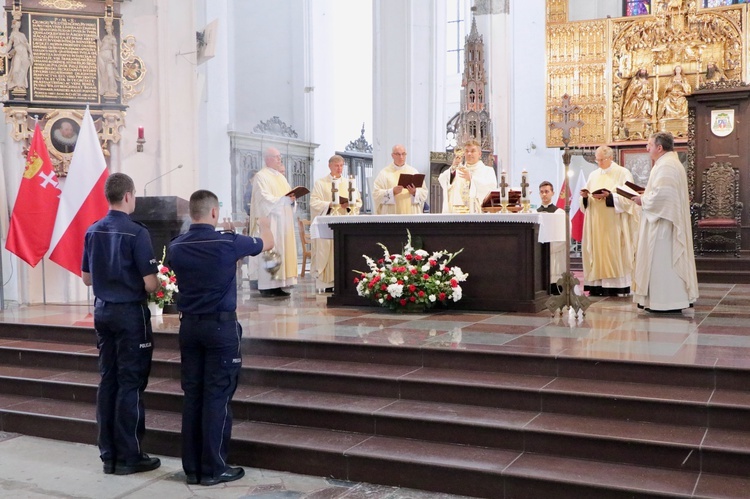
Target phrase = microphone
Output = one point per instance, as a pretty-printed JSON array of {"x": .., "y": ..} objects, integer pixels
[{"x": 160, "y": 176}]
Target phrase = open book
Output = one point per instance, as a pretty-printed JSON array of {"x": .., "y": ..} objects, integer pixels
[
  {"x": 298, "y": 192},
  {"x": 407, "y": 179},
  {"x": 628, "y": 192},
  {"x": 637, "y": 188}
]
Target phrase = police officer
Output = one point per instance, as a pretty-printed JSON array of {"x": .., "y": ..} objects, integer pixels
[
  {"x": 118, "y": 261},
  {"x": 204, "y": 262}
]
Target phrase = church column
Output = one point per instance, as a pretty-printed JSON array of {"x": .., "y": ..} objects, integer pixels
[
  {"x": 403, "y": 87},
  {"x": 493, "y": 21}
]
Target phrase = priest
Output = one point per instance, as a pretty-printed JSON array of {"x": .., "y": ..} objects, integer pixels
[
  {"x": 271, "y": 198},
  {"x": 665, "y": 275},
  {"x": 609, "y": 229},
  {"x": 324, "y": 200},
  {"x": 389, "y": 197},
  {"x": 466, "y": 185}
]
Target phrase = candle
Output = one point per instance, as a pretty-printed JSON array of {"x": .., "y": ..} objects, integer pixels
[
  {"x": 335, "y": 191},
  {"x": 503, "y": 184},
  {"x": 352, "y": 192},
  {"x": 140, "y": 133},
  {"x": 523, "y": 184}
]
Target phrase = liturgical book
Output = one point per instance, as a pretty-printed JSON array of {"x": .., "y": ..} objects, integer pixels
[
  {"x": 407, "y": 179},
  {"x": 635, "y": 187},
  {"x": 298, "y": 192}
]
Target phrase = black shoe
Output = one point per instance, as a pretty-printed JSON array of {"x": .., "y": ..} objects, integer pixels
[
  {"x": 230, "y": 475},
  {"x": 108, "y": 467},
  {"x": 145, "y": 464},
  {"x": 281, "y": 292},
  {"x": 267, "y": 293},
  {"x": 191, "y": 479}
]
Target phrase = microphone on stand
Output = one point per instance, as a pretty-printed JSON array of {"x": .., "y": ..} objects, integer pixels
[{"x": 160, "y": 176}]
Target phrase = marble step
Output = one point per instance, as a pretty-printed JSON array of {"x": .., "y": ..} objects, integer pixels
[{"x": 458, "y": 469}]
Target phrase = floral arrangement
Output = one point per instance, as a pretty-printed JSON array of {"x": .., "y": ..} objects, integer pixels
[
  {"x": 413, "y": 280},
  {"x": 164, "y": 295}
]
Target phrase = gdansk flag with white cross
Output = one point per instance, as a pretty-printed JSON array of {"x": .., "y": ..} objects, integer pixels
[{"x": 36, "y": 205}]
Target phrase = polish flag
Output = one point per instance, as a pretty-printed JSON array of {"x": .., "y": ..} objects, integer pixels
[
  {"x": 34, "y": 212},
  {"x": 82, "y": 201},
  {"x": 576, "y": 214}
]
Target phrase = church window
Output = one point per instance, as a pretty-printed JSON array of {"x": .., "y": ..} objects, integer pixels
[
  {"x": 637, "y": 7},
  {"x": 721, "y": 3},
  {"x": 454, "y": 40}
]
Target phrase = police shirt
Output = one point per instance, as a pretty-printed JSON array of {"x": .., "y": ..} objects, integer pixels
[
  {"x": 118, "y": 254},
  {"x": 205, "y": 264}
]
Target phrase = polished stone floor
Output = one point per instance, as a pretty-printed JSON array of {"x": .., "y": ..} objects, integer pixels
[{"x": 715, "y": 332}]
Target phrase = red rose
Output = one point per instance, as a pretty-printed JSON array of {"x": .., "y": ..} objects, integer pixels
[
  {"x": 388, "y": 297},
  {"x": 408, "y": 257},
  {"x": 369, "y": 285},
  {"x": 380, "y": 261},
  {"x": 402, "y": 302},
  {"x": 412, "y": 299},
  {"x": 172, "y": 279},
  {"x": 400, "y": 282},
  {"x": 418, "y": 257},
  {"x": 421, "y": 293},
  {"x": 163, "y": 269},
  {"x": 433, "y": 262},
  {"x": 425, "y": 276},
  {"x": 441, "y": 296},
  {"x": 414, "y": 271},
  {"x": 383, "y": 287},
  {"x": 356, "y": 280},
  {"x": 454, "y": 283},
  {"x": 412, "y": 287},
  {"x": 160, "y": 294},
  {"x": 393, "y": 257},
  {"x": 447, "y": 268}
]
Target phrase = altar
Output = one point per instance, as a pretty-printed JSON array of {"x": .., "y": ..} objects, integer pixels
[{"x": 507, "y": 263}]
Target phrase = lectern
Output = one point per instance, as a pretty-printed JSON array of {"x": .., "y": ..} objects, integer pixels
[{"x": 165, "y": 217}]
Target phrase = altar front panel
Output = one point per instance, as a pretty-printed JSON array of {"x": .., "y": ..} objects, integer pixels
[{"x": 507, "y": 266}]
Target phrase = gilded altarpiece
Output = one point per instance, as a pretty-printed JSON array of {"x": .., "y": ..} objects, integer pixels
[{"x": 631, "y": 76}]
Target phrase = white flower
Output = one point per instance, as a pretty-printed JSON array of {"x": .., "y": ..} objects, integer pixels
[
  {"x": 380, "y": 300},
  {"x": 422, "y": 253},
  {"x": 395, "y": 290},
  {"x": 459, "y": 274},
  {"x": 432, "y": 298},
  {"x": 393, "y": 280},
  {"x": 456, "y": 293},
  {"x": 425, "y": 267}
]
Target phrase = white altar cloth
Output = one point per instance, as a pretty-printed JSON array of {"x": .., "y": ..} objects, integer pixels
[{"x": 551, "y": 225}]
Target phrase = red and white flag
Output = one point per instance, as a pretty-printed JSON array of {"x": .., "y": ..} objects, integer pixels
[
  {"x": 576, "y": 214},
  {"x": 34, "y": 212},
  {"x": 82, "y": 201}
]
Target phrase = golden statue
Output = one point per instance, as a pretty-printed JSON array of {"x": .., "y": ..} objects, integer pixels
[
  {"x": 674, "y": 100},
  {"x": 638, "y": 97}
]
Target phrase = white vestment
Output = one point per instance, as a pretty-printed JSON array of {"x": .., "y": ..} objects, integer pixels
[
  {"x": 387, "y": 203},
  {"x": 483, "y": 180},
  {"x": 322, "y": 249},
  {"x": 609, "y": 232},
  {"x": 665, "y": 275},
  {"x": 269, "y": 200}
]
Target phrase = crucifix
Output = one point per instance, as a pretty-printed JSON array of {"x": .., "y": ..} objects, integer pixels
[{"x": 567, "y": 282}]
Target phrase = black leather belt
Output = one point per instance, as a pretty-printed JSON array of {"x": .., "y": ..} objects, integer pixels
[{"x": 218, "y": 316}]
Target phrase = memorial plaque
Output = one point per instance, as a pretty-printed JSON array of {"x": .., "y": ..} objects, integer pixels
[{"x": 64, "y": 51}]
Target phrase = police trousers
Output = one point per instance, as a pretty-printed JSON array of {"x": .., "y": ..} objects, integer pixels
[
  {"x": 211, "y": 362},
  {"x": 125, "y": 343}
]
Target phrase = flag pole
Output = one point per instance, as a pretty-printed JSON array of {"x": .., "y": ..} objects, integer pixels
[{"x": 44, "y": 284}]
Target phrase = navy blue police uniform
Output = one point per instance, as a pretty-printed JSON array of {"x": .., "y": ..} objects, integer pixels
[
  {"x": 205, "y": 263},
  {"x": 118, "y": 254}
]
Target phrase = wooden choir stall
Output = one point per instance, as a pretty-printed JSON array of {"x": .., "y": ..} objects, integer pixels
[{"x": 507, "y": 263}]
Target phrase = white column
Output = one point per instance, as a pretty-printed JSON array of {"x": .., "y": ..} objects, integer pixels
[{"x": 403, "y": 84}]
